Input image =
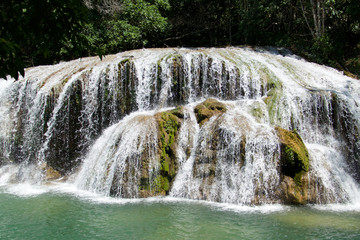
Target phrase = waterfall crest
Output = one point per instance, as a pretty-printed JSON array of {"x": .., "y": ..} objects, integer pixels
[{"x": 235, "y": 125}]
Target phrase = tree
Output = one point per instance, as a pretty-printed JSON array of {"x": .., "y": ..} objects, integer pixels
[
  {"x": 122, "y": 25},
  {"x": 201, "y": 22},
  {"x": 33, "y": 31},
  {"x": 318, "y": 11}
]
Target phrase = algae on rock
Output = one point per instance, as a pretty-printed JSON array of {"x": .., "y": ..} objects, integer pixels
[
  {"x": 168, "y": 123},
  {"x": 274, "y": 90},
  {"x": 205, "y": 110},
  {"x": 50, "y": 173},
  {"x": 294, "y": 155},
  {"x": 294, "y": 160},
  {"x": 125, "y": 91}
]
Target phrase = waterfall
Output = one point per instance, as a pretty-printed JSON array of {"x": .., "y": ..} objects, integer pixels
[
  {"x": 124, "y": 155},
  {"x": 188, "y": 140},
  {"x": 226, "y": 152},
  {"x": 235, "y": 125}
]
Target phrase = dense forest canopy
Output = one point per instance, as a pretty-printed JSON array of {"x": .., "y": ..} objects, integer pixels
[{"x": 34, "y": 32}]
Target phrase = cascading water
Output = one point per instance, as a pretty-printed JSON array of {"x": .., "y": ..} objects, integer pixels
[
  {"x": 120, "y": 156},
  {"x": 230, "y": 125},
  {"x": 187, "y": 142},
  {"x": 226, "y": 153}
]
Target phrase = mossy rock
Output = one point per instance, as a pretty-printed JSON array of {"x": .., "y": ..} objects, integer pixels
[
  {"x": 294, "y": 160},
  {"x": 160, "y": 181},
  {"x": 158, "y": 187},
  {"x": 168, "y": 123},
  {"x": 205, "y": 110},
  {"x": 51, "y": 174},
  {"x": 66, "y": 131},
  {"x": 294, "y": 154},
  {"x": 274, "y": 91},
  {"x": 162, "y": 185},
  {"x": 178, "y": 111}
]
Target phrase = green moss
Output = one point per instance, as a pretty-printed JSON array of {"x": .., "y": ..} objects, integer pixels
[
  {"x": 273, "y": 97},
  {"x": 256, "y": 110},
  {"x": 294, "y": 155},
  {"x": 174, "y": 56},
  {"x": 168, "y": 124},
  {"x": 65, "y": 81},
  {"x": 205, "y": 110},
  {"x": 144, "y": 184},
  {"x": 270, "y": 81},
  {"x": 178, "y": 111},
  {"x": 165, "y": 166},
  {"x": 161, "y": 185},
  {"x": 297, "y": 178},
  {"x": 123, "y": 62}
]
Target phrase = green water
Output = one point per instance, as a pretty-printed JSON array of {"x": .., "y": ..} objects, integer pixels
[{"x": 54, "y": 215}]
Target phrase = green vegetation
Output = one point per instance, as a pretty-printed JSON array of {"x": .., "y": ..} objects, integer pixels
[
  {"x": 294, "y": 155},
  {"x": 294, "y": 161},
  {"x": 45, "y": 32},
  {"x": 168, "y": 129},
  {"x": 205, "y": 110},
  {"x": 274, "y": 93},
  {"x": 33, "y": 32}
]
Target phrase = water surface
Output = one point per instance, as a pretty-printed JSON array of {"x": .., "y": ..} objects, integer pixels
[{"x": 70, "y": 214}]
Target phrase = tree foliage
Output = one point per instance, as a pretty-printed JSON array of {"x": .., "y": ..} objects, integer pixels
[
  {"x": 122, "y": 25},
  {"x": 325, "y": 31},
  {"x": 46, "y": 31},
  {"x": 32, "y": 31}
]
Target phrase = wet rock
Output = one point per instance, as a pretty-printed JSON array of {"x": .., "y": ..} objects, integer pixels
[
  {"x": 294, "y": 160},
  {"x": 292, "y": 193},
  {"x": 64, "y": 142},
  {"x": 178, "y": 111},
  {"x": 50, "y": 173},
  {"x": 205, "y": 110},
  {"x": 294, "y": 155},
  {"x": 168, "y": 124}
]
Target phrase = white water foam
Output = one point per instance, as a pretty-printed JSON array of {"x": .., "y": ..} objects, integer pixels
[{"x": 25, "y": 189}]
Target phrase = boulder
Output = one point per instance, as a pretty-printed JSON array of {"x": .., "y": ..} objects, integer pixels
[
  {"x": 294, "y": 162},
  {"x": 205, "y": 110}
]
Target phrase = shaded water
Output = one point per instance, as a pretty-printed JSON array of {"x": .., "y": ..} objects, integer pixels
[{"x": 62, "y": 213}]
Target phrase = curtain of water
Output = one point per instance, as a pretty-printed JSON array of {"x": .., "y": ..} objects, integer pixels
[{"x": 52, "y": 118}]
